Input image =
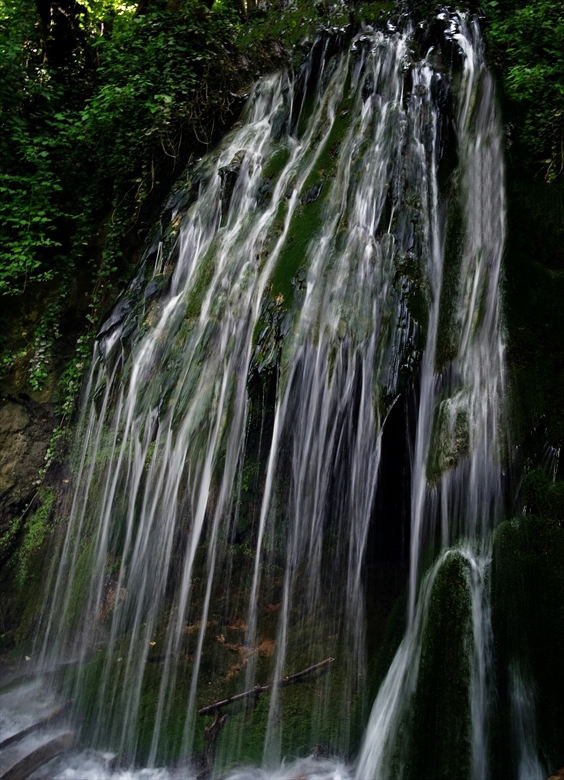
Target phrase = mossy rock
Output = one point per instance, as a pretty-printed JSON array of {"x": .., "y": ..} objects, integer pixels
[
  {"x": 310, "y": 712},
  {"x": 544, "y": 497},
  {"x": 448, "y": 330},
  {"x": 439, "y": 742},
  {"x": 450, "y": 438},
  {"x": 276, "y": 164},
  {"x": 533, "y": 293},
  {"x": 528, "y": 626}
]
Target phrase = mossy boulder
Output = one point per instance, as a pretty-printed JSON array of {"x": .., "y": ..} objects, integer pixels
[
  {"x": 439, "y": 744},
  {"x": 528, "y": 626}
]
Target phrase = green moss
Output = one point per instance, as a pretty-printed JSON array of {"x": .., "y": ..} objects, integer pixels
[
  {"x": 79, "y": 585},
  {"x": 447, "y": 330},
  {"x": 450, "y": 437},
  {"x": 311, "y": 712},
  {"x": 312, "y": 709},
  {"x": 307, "y": 108},
  {"x": 439, "y": 721},
  {"x": 276, "y": 163},
  {"x": 386, "y": 629},
  {"x": 24, "y": 547},
  {"x": 543, "y": 497},
  {"x": 307, "y": 221},
  {"x": 36, "y": 529},
  {"x": 305, "y": 225},
  {"x": 201, "y": 283},
  {"x": 374, "y": 12},
  {"x": 290, "y": 24},
  {"x": 325, "y": 164},
  {"x": 101, "y": 730}
]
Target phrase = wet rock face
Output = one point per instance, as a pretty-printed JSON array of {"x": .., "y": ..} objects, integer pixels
[{"x": 25, "y": 432}]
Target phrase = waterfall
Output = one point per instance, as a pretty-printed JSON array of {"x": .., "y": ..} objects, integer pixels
[
  {"x": 524, "y": 728},
  {"x": 336, "y": 256},
  {"x": 459, "y": 409}
]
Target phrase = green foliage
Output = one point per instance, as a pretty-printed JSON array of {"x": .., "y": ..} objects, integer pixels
[
  {"x": 157, "y": 72},
  {"x": 527, "y": 42},
  {"x": 30, "y": 186},
  {"x": 45, "y": 333},
  {"x": 27, "y": 226},
  {"x": 84, "y": 145}
]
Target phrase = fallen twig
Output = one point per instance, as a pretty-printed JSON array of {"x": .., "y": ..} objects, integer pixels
[{"x": 258, "y": 689}]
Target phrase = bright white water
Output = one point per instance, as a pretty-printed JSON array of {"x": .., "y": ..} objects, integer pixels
[
  {"x": 22, "y": 707},
  {"x": 233, "y": 418},
  {"x": 96, "y": 766},
  {"x": 462, "y": 406}
]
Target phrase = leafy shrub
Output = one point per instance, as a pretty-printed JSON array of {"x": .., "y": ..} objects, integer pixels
[
  {"x": 527, "y": 43},
  {"x": 30, "y": 186},
  {"x": 80, "y": 141}
]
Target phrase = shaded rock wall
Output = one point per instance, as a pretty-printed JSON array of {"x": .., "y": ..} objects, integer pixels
[{"x": 25, "y": 431}]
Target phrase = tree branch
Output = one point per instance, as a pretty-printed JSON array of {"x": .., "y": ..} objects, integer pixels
[{"x": 258, "y": 689}]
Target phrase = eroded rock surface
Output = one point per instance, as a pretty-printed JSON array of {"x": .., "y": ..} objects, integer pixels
[{"x": 25, "y": 431}]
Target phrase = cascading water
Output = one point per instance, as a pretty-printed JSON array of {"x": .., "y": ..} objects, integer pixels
[
  {"x": 233, "y": 420},
  {"x": 459, "y": 415}
]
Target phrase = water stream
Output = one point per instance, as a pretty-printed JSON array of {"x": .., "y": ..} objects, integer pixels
[
  {"x": 463, "y": 406},
  {"x": 338, "y": 252}
]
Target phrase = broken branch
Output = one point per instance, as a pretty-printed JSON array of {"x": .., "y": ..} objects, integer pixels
[{"x": 258, "y": 689}]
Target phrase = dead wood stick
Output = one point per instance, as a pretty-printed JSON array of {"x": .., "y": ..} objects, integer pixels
[{"x": 258, "y": 689}]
